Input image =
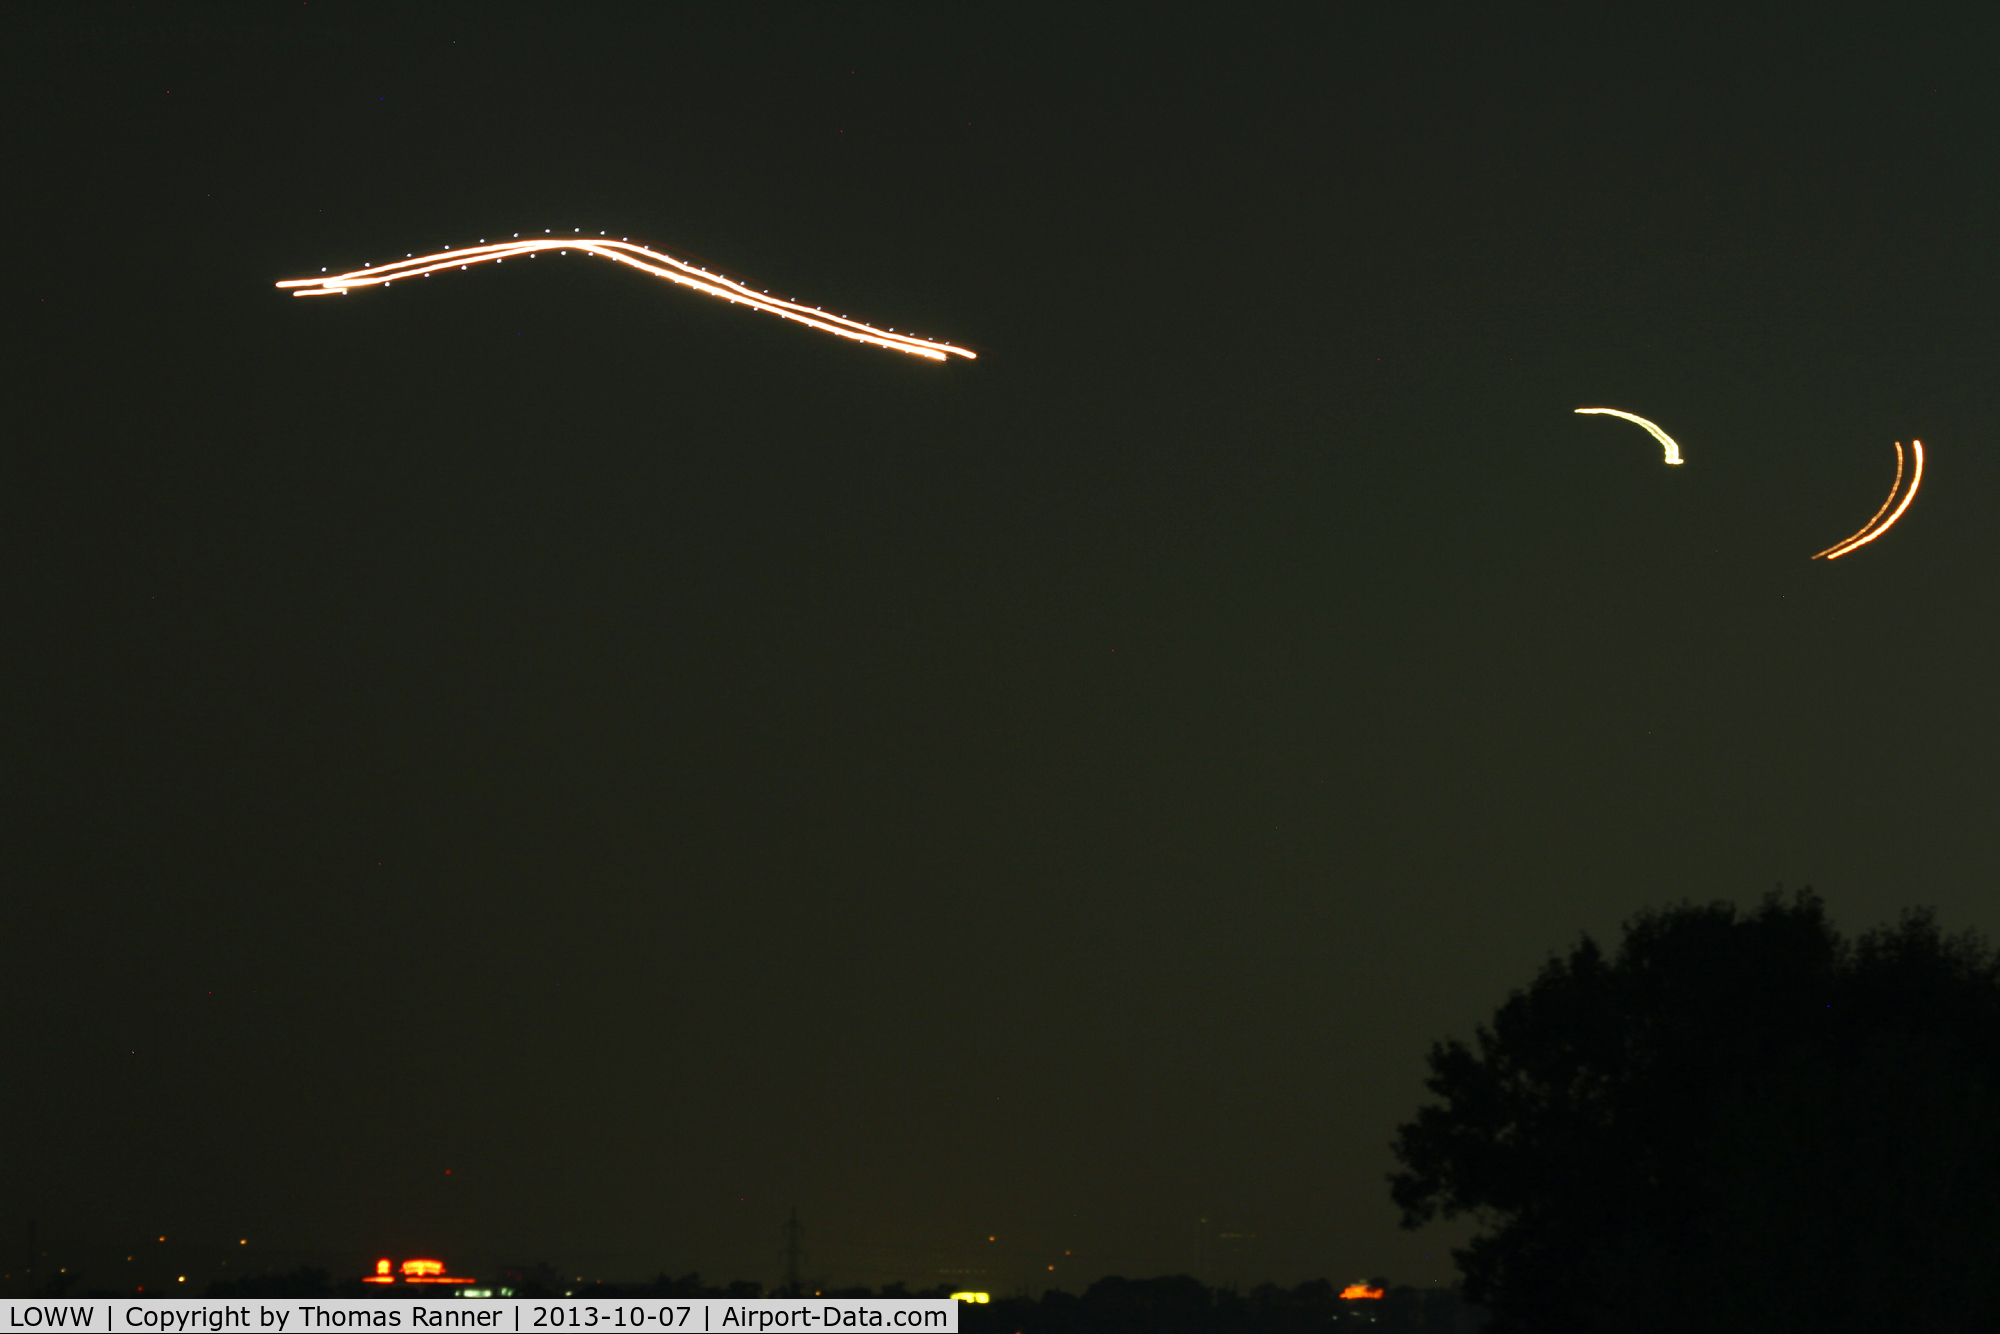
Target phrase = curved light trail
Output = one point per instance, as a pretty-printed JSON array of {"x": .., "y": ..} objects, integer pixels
[
  {"x": 1894, "y": 487},
  {"x": 1673, "y": 450},
  {"x": 635, "y": 256},
  {"x": 1871, "y": 530}
]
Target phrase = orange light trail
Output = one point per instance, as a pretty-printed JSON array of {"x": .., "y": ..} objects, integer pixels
[
  {"x": 635, "y": 256},
  {"x": 1894, "y": 487},
  {"x": 1871, "y": 530}
]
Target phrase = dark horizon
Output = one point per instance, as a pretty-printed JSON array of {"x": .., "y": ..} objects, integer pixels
[
  {"x": 535, "y": 764},
  {"x": 177, "y": 1268},
  {"x": 150, "y": 1267}
]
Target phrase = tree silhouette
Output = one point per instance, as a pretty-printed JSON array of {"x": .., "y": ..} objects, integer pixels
[{"x": 1742, "y": 1122}]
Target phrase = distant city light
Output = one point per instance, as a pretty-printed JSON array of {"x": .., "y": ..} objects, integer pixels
[
  {"x": 413, "y": 1271},
  {"x": 1360, "y": 1292},
  {"x": 978, "y": 1298}
]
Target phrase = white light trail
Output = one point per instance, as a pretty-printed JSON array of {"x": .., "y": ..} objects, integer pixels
[
  {"x": 638, "y": 257},
  {"x": 1673, "y": 450},
  {"x": 1870, "y": 531}
]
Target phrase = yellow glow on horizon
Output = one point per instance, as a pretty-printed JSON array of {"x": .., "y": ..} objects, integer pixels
[
  {"x": 634, "y": 256},
  {"x": 1865, "y": 536},
  {"x": 977, "y": 1298},
  {"x": 1673, "y": 450}
]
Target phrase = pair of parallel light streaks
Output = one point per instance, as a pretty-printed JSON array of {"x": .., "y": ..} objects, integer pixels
[
  {"x": 1869, "y": 531},
  {"x": 635, "y": 256},
  {"x": 1872, "y": 530}
]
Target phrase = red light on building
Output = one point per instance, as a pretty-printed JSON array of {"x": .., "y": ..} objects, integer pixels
[
  {"x": 1361, "y": 1292},
  {"x": 416, "y": 1268}
]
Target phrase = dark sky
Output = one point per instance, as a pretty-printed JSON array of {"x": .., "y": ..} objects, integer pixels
[{"x": 664, "y": 765}]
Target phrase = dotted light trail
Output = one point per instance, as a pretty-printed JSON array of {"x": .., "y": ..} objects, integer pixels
[
  {"x": 1870, "y": 530},
  {"x": 1673, "y": 450},
  {"x": 635, "y": 256}
]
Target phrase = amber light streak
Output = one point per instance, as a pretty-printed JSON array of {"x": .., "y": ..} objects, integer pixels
[
  {"x": 1894, "y": 487},
  {"x": 1673, "y": 450},
  {"x": 1871, "y": 530},
  {"x": 635, "y": 256}
]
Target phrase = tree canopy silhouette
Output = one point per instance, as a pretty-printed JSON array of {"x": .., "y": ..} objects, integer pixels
[{"x": 1741, "y": 1122}]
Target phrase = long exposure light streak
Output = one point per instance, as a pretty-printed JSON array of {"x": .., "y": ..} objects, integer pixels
[
  {"x": 635, "y": 256},
  {"x": 1871, "y": 530},
  {"x": 1673, "y": 450},
  {"x": 1894, "y": 487}
]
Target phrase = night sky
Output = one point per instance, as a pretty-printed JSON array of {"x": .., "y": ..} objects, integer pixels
[{"x": 539, "y": 764}]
